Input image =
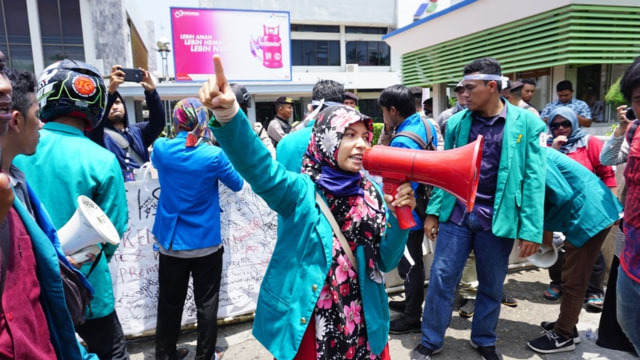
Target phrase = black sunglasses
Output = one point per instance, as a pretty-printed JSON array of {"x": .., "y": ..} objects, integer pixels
[{"x": 565, "y": 124}]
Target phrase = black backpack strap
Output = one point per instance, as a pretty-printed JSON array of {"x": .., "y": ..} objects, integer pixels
[{"x": 413, "y": 136}]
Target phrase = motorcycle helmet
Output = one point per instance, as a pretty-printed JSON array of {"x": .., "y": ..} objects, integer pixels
[{"x": 72, "y": 88}]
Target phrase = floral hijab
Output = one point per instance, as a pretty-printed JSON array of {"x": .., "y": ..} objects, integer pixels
[
  {"x": 578, "y": 137},
  {"x": 354, "y": 201},
  {"x": 189, "y": 114}
]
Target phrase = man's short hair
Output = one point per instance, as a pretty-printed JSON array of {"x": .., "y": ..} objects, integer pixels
[
  {"x": 564, "y": 85},
  {"x": 630, "y": 80},
  {"x": 485, "y": 65},
  {"x": 399, "y": 97},
  {"x": 329, "y": 90},
  {"x": 23, "y": 83},
  {"x": 529, "y": 81}
]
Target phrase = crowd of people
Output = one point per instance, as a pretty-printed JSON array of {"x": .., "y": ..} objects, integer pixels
[{"x": 323, "y": 296}]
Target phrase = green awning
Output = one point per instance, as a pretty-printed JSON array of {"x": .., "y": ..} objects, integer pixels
[{"x": 575, "y": 34}]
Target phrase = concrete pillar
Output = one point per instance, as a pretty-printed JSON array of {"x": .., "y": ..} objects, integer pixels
[{"x": 439, "y": 98}]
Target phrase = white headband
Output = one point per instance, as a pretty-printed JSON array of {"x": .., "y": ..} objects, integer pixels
[{"x": 488, "y": 77}]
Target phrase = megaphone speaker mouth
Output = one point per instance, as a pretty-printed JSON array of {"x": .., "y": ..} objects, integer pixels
[
  {"x": 88, "y": 226},
  {"x": 545, "y": 257}
]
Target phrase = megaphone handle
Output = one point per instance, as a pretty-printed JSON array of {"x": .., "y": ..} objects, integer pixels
[{"x": 405, "y": 217}]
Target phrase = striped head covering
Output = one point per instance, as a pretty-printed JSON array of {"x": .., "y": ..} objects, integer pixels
[{"x": 189, "y": 114}]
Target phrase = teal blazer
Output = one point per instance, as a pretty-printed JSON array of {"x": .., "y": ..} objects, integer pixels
[
  {"x": 47, "y": 252},
  {"x": 301, "y": 258},
  {"x": 519, "y": 200}
]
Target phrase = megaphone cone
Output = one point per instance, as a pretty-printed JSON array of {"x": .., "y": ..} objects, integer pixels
[
  {"x": 456, "y": 171},
  {"x": 88, "y": 226},
  {"x": 545, "y": 257}
]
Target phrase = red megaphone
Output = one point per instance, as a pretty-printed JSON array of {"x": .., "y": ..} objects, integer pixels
[{"x": 456, "y": 171}]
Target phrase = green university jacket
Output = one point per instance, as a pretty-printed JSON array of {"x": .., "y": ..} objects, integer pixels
[{"x": 519, "y": 199}]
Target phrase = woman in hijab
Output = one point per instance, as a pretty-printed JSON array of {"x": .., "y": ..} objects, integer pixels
[
  {"x": 315, "y": 302},
  {"x": 566, "y": 136},
  {"x": 187, "y": 226}
]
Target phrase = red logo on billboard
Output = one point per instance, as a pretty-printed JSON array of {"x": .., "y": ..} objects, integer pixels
[{"x": 84, "y": 85}]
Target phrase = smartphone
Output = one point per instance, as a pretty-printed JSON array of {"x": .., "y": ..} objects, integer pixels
[{"x": 132, "y": 75}]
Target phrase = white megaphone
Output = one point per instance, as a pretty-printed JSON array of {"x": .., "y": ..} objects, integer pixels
[
  {"x": 547, "y": 255},
  {"x": 88, "y": 227}
]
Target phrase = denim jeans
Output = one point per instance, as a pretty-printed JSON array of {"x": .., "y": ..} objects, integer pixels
[
  {"x": 454, "y": 244},
  {"x": 628, "y": 292}
]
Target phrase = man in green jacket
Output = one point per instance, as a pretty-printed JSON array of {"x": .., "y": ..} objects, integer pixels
[
  {"x": 66, "y": 165},
  {"x": 509, "y": 206}
]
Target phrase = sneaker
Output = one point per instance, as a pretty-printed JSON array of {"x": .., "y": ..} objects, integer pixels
[
  {"x": 550, "y": 342},
  {"x": 422, "y": 352},
  {"x": 466, "y": 310},
  {"x": 398, "y": 306},
  {"x": 549, "y": 325},
  {"x": 509, "y": 301},
  {"x": 405, "y": 325},
  {"x": 487, "y": 352}
]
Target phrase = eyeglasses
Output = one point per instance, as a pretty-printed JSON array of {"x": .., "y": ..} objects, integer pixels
[{"x": 565, "y": 124}]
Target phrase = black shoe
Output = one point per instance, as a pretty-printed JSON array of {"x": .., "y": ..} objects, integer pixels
[
  {"x": 549, "y": 325},
  {"x": 422, "y": 352},
  {"x": 181, "y": 353},
  {"x": 550, "y": 342},
  {"x": 398, "y": 306},
  {"x": 466, "y": 310},
  {"x": 405, "y": 325},
  {"x": 487, "y": 352},
  {"x": 508, "y": 300}
]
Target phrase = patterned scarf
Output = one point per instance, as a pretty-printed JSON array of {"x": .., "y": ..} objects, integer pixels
[
  {"x": 190, "y": 115},
  {"x": 354, "y": 201},
  {"x": 578, "y": 137}
]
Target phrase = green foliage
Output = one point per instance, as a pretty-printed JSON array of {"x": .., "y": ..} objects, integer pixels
[
  {"x": 377, "y": 130},
  {"x": 614, "y": 96}
]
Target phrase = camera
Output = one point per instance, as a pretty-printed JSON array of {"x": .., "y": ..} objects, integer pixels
[{"x": 630, "y": 114}]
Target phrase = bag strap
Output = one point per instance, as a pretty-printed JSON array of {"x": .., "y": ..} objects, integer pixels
[
  {"x": 124, "y": 144},
  {"x": 336, "y": 229},
  {"x": 413, "y": 136}
]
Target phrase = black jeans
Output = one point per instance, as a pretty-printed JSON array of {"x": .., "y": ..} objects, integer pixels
[
  {"x": 173, "y": 282},
  {"x": 104, "y": 337},
  {"x": 413, "y": 276}
]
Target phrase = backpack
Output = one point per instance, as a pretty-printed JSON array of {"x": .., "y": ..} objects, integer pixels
[
  {"x": 423, "y": 192},
  {"x": 76, "y": 295}
]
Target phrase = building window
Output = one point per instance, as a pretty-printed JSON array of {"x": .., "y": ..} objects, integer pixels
[
  {"x": 364, "y": 30},
  {"x": 315, "y": 28},
  {"x": 61, "y": 30},
  {"x": 315, "y": 52},
  {"x": 15, "y": 40},
  {"x": 373, "y": 53}
]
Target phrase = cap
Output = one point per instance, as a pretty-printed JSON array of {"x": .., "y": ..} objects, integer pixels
[
  {"x": 515, "y": 85},
  {"x": 284, "y": 100},
  {"x": 350, "y": 95},
  {"x": 459, "y": 86}
]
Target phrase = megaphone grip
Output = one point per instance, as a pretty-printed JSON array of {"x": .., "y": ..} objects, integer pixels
[{"x": 405, "y": 217}]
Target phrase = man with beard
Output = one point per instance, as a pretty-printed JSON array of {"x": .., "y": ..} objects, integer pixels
[{"x": 129, "y": 142}]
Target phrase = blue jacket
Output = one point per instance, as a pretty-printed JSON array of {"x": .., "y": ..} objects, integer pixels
[
  {"x": 188, "y": 214},
  {"x": 518, "y": 207},
  {"x": 47, "y": 251},
  {"x": 415, "y": 125},
  {"x": 140, "y": 135},
  {"x": 577, "y": 202},
  {"x": 302, "y": 255}
]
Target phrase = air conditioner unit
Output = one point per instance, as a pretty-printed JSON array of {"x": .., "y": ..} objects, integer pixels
[{"x": 352, "y": 68}]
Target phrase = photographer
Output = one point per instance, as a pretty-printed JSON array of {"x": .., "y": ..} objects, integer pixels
[{"x": 129, "y": 142}]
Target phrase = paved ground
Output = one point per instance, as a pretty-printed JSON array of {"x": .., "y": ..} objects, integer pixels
[{"x": 516, "y": 326}]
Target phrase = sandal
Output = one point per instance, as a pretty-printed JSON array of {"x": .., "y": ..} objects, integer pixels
[
  {"x": 552, "y": 293},
  {"x": 181, "y": 353},
  {"x": 219, "y": 353},
  {"x": 594, "y": 303}
]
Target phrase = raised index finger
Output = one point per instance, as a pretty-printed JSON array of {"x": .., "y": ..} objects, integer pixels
[{"x": 221, "y": 79}]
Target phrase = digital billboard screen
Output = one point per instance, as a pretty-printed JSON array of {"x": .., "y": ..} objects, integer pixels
[{"x": 253, "y": 45}]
